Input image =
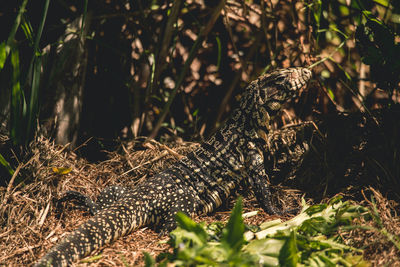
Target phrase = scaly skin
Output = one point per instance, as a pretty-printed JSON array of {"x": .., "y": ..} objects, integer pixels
[{"x": 198, "y": 183}]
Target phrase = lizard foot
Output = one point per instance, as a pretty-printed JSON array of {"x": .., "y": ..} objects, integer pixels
[{"x": 81, "y": 200}]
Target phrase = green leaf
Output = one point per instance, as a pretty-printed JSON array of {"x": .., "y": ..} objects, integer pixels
[
  {"x": 288, "y": 254},
  {"x": 189, "y": 225},
  {"x": 317, "y": 10},
  {"x": 266, "y": 247},
  {"x": 384, "y": 3},
  {"x": 3, "y": 54},
  {"x": 315, "y": 208},
  {"x": 232, "y": 236},
  {"x": 331, "y": 94},
  {"x": 41, "y": 26},
  {"x": 5, "y": 163},
  {"x": 61, "y": 170},
  {"x": 148, "y": 260},
  {"x": 357, "y": 261},
  {"x": 269, "y": 224},
  {"x": 27, "y": 29},
  {"x": 335, "y": 200},
  {"x": 305, "y": 240},
  {"x": 5, "y": 49}
]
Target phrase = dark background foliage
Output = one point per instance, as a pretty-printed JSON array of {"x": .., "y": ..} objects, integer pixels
[{"x": 130, "y": 67}]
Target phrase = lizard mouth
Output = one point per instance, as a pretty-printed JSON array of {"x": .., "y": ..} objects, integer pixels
[
  {"x": 300, "y": 78},
  {"x": 303, "y": 80}
]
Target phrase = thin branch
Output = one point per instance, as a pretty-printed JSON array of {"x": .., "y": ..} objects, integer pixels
[
  {"x": 169, "y": 29},
  {"x": 235, "y": 80},
  {"x": 202, "y": 35}
]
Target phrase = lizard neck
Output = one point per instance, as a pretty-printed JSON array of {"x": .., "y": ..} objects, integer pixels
[{"x": 252, "y": 115}]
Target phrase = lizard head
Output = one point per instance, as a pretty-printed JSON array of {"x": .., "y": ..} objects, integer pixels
[
  {"x": 280, "y": 86},
  {"x": 266, "y": 95}
]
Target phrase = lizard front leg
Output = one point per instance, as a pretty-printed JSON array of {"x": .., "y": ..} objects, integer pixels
[
  {"x": 107, "y": 198},
  {"x": 80, "y": 199},
  {"x": 258, "y": 179}
]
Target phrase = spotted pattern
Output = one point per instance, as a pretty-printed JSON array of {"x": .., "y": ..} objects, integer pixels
[{"x": 198, "y": 183}]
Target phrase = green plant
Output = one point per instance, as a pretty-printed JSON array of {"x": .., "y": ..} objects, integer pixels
[
  {"x": 379, "y": 50},
  {"x": 354, "y": 30},
  {"x": 25, "y": 88},
  {"x": 194, "y": 244},
  {"x": 311, "y": 238}
]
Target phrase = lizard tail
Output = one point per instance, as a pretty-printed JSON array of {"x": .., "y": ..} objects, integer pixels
[{"x": 103, "y": 228}]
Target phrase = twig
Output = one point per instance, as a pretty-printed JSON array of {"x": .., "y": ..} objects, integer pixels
[
  {"x": 287, "y": 115},
  {"x": 229, "y": 29},
  {"x": 367, "y": 111},
  {"x": 163, "y": 154},
  {"x": 159, "y": 63},
  {"x": 7, "y": 194},
  {"x": 6, "y": 233},
  {"x": 27, "y": 246},
  {"x": 338, "y": 107},
  {"x": 127, "y": 158},
  {"x": 10, "y": 184},
  {"x": 171, "y": 151},
  {"x": 19, "y": 251},
  {"x": 365, "y": 198},
  {"x": 81, "y": 145},
  {"x": 46, "y": 211},
  {"x": 160, "y": 60}
]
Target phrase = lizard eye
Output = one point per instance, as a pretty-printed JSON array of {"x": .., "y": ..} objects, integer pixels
[{"x": 283, "y": 83}]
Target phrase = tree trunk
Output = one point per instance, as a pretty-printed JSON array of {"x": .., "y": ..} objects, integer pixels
[{"x": 67, "y": 63}]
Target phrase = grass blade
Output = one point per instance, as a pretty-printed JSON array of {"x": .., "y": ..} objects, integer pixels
[
  {"x": 34, "y": 100},
  {"x": 6, "y": 48},
  {"x": 41, "y": 26},
  {"x": 6, "y": 165},
  {"x": 16, "y": 98},
  {"x": 84, "y": 16},
  {"x": 34, "y": 79}
]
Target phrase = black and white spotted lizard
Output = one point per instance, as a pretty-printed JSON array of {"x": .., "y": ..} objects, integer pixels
[{"x": 198, "y": 183}]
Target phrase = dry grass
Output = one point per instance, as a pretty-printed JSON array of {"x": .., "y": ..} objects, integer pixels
[
  {"x": 28, "y": 214},
  {"x": 30, "y": 224},
  {"x": 378, "y": 249}
]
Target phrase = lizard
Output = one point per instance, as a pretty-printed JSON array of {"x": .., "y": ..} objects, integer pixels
[{"x": 196, "y": 184}]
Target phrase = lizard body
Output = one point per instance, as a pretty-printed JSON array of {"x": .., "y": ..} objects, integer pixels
[{"x": 196, "y": 184}]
